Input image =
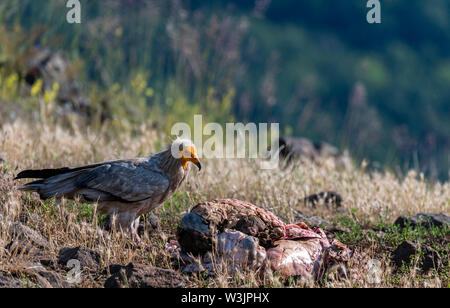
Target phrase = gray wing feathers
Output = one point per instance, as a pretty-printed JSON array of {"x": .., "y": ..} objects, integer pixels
[
  {"x": 56, "y": 186},
  {"x": 125, "y": 181},
  {"x": 117, "y": 181}
]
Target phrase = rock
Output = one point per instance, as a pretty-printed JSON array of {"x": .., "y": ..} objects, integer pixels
[
  {"x": 295, "y": 148},
  {"x": 29, "y": 218},
  {"x": 234, "y": 251},
  {"x": 150, "y": 225},
  {"x": 337, "y": 229},
  {"x": 327, "y": 150},
  {"x": 404, "y": 252},
  {"x": 8, "y": 281},
  {"x": 25, "y": 238},
  {"x": 144, "y": 276},
  {"x": 431, "y": 259},
  {"x": 425, "y": 220},
  {"x": 87, "y": 257},
  {"x": 194, "y": 234},
  {"x": 48, "y": 279},
  {"x": 407, "y": 250},
  {"x": 33, "y": 276},
  {"x": 328, "y": 198},
  {"x": 312, "y": 220},
  {"x": 54, "y": 67}
]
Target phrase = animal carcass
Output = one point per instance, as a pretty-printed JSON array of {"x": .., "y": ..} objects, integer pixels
[{"x": 242, "y": 236}]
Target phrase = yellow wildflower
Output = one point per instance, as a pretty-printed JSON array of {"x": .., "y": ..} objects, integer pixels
[{"x": 36, "y": 88}]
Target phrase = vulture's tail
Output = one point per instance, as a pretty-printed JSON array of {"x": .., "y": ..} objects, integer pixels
[
  {"x": 53, "y": 183},
  {"x": 43, "y": 173}
]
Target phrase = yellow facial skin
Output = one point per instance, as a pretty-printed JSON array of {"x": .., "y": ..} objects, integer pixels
[{"x": 190, "y": 155}]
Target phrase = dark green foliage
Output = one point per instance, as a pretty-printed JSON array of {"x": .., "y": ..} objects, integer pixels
[{"x": 317, "y": 67}]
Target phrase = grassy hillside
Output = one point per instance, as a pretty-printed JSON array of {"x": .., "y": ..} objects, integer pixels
[{"x": 372, "y": 201}]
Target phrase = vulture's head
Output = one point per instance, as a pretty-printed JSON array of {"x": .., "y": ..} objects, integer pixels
[{"x": 185, "y": 151}]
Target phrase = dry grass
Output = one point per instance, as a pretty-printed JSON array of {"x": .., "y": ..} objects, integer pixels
[{"x": 369, "y": 198}]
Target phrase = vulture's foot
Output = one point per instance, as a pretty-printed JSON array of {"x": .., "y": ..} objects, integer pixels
[{"x": 137, "y": 239}]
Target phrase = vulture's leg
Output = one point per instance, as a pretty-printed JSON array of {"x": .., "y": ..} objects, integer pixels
[
  {"x": 134, "y": 233},
  {"x": 128, "y": 221}
]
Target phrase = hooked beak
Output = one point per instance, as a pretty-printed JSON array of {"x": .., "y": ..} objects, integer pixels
[{"x": 199, "y": 165}]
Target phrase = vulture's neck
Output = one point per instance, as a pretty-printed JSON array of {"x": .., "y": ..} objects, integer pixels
[{"x": 170, "y": 165}]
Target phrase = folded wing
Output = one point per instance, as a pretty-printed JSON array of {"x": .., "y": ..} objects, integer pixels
[
  {"x": 124, "y": 181},
  {"x": 111, "y": 181}
]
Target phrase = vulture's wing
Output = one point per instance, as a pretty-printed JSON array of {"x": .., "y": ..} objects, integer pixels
[{"x": 126, "y": 181}]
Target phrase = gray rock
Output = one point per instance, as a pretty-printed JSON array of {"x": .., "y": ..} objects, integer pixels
[
  {"x": 326, "y": 150},
  {"x": 311, "y": 220},
  {"x": 9, "y": 281},
  {"x": 53, "y": 67},
  {"x": 48, "y": 279},
  {"x": 430, "y": 258},
  {"x": 425, "y": 220},
  {"x": 194, "y": 235},
  {"x": 144, "y": 276},
  {"x": 26, "y": 239},
  {"x": 295, "y": 148},
  {"x": 33, "y": 276},
  {"x": 87, "y": 257},
  {"x": 29, "y": 218}
]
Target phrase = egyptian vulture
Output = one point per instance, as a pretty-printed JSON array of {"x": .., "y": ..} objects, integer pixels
[{"x": 124, "y": 189}]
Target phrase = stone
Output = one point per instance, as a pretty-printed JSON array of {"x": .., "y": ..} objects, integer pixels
[
  {"x": 408, "y": 250},
  {"x": 425, "y": 220},
  {"x": 194, "y": 234},
  {"x": 33, "y": 276},
  {"x": 312, "y": 220},
  {"x": 48, "y": 279},
  {"x": 144, "y": 276},
  {"x": 9, "y": 281},
  {"x": 294, "y": 148},
  {"x": 87, "y": 257},
  {"x": 26, "y": 239}
]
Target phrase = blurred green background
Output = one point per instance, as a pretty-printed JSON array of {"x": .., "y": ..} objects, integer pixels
[{"x": 315, "y": 66}]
